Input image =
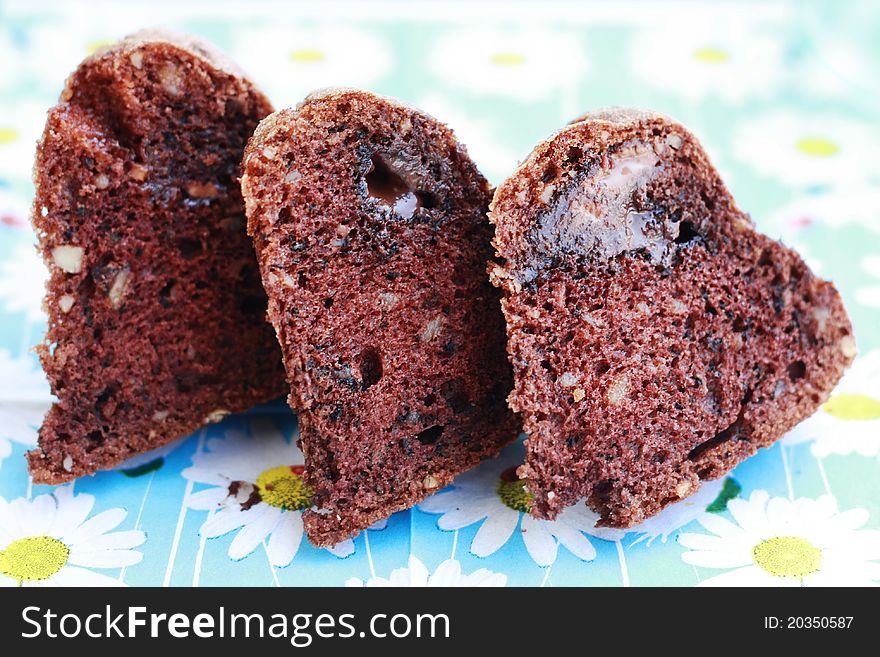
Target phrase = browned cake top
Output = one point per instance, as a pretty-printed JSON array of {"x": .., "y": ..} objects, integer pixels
[
  {"x": 156, "y": 313},
  {"x": 657, "y": 339},
  {"x": 369, "y": 221}
]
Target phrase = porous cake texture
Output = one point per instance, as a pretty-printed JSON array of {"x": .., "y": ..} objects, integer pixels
[
  {"x": 156, "y": 311},
  {"x": 369, "y": 221},
  {"x": 656, "y": 338}
]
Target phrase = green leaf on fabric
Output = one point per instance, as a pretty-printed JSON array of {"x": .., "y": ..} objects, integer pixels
[
  {"x": 146, "y": 468},
  {"x": 730, "y": 490}
]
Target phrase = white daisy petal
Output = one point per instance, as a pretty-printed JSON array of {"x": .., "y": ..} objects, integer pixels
[
  {"x": 342, "y": 549},
  {"x": 418, "y": 573},
  {"x": 448, "y": 573},
  {"x": 104, "y": 558},
  {"x": 748, "y": 576},
  {"x": 98, "y": 524},
  {"x": 208, "y": 499},
  {"x": 72, "y": 511},
  {"x": 285, "y": 539},
  {"x": 42, "y": 515},
  {"x": 716, "y": 559},
  {"x": 464, "y": 516},
  {"x": 123, "y": 540},
  {"x": 74, "y": 576},
  {"x": 253, "y": 533},
  {"x": 494, "y": 532},
  {"x": 228, "y": 519},
  {"x": 539, "y": 542},
  {"x": 719, "y": 526},
  {"x": 573, "y": 541}
]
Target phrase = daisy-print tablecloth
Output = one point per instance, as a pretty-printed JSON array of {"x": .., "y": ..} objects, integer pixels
[{"x": 784, "y": 95}]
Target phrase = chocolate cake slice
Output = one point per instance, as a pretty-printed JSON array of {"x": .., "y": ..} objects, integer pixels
[
  {"x": 156, "y": 312},
  {"x": 657, "y": 339},
  {"x": 370, "y": 226}
]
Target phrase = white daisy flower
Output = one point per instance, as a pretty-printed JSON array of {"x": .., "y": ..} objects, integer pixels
[
  {"x": 849, "y": 422},
  {"x": 525, "y": 64},
  {"x": 51, "y": 541},
  {"x": 288, "y": 62},
  {"x": 869, "y": 295},
  {"x": 731, "y": 60},
  {"x": 448, "y": 574},
  {"x": 802, "y": 149},
  {"x": 779, "y": 542},
  {"x": 495, "y": 160},
  {"x": 256, "y": 487},
  {"x": 493, "y": 496},
  {"x": 23, "y": 282},
  {"x": 24, "y": 400}
]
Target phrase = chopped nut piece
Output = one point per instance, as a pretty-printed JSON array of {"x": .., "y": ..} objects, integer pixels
[
  {"x": 430, "y": 482},
  {"x": 678, "y": 307},
  {"x": 202, "y": 190},
  {"x": 618, "y": 390},
  {"x": 293, "y": 176},
  {"x": 138, "y": 173},
  {"x": 848, "y": 346},
  {"x": 67, "y": 463},
  {"x": 547, "y": 193},
  {"x": 578, "y": 394},
  {"x": 117, "y": 290},
  {"x": 822, "y": 315},
  {"x": 269, "y": 153},
  {"x": 216, "y": 415},
  {"x": 102, "y": 181},
  {"x": 68, "y": 258},
  {"x": 683, "y": 488},
  {"x": 433, "y": 329},
  {"x": 170, "y": 79},
  {"x": 405, "y": 126},
  {"x": 568, "y": 379},
  {"x": 674, "y": 141},
  {"x": 159, "y": 416},
  {"x": 136, "y": 58},
  {"x": 388, "y": 299},
  {"x": 65, "y": 302}
]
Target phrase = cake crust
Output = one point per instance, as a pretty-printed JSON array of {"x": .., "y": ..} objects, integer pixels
[
  {"x": 369, "y": 223},
  {"x": 156, "y": 312},
  {"x": 657, "y": 339}
]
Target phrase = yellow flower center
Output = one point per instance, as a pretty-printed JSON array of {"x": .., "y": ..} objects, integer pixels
[
  {"x": 284, "y": 488},
  {"x": 787, "y": 556},
  {"x": 8, "y": 135},
  {"x": 97, "y": 44},
  {"x": 710, "y": 55},
  {"x": 512, "y": 491},
  {"x": 33, "y": 558},
  {"x": 852, "y": 406},
  {"x": 307, "y": 56},
  {"x": 816, "y": 146},
  {"x": 508, "y": 59}
]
